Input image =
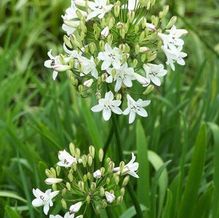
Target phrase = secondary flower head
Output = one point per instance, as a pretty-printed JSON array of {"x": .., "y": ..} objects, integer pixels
[
  {"x": 44, "y": 199},
  {"x": 118, "y": 47},
  {"x": 108, "y": 105},
  {"x": 89, "y": 183}
]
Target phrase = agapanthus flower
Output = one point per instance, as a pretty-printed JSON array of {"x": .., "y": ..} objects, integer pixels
[
  {"x": 154, "y": 72},
  {"x": 44, "y": 199},
  {"x": 65, "y": 159},
  {"x": 136, "y": 107},
  {"x": 111, "y": 46},
  {"x": 108, "y": 105},
  {"x": 82, "y": 187},
  {"x": 129, "y": 168}
]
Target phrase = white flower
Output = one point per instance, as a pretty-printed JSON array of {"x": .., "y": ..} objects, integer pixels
[
  {"x": 111, "y": 56},
  {"x": 44, "y": 199},
  {"x": 97, "y": 174},
  {"x": 108, "y": 105},
  {"x": 129, "y": 168},
  {"x": 88, "y": 83},
  {"x": 173, "y": 40},
  {"x": 70, "y": 19},
  {"x": 55, "y": 216},
  {"x": 123, "y": 76},
  {"x": 88, "y": 66},
  {"x": 142, "y": 80},
  {"x": 154, "y": 72},
  {"x": 51, "y": 181},
  {"x": 174, "y": 55},
  {"x": 98, "y": 8},
  {"x": 75, "y": 207},
  {"x": 132, "y": 4},
  {"x": 57, "y": 63},
  {"x": 65, "y": 159},
  {"x": 105, "y": 32},
  {"x": 109, "y": 197},
  {"x": 151, "y": 26},
  {"x": 136, "y": 107}
]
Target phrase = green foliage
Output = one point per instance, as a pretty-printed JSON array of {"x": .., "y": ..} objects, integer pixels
[{"x": 177, "y": 145}]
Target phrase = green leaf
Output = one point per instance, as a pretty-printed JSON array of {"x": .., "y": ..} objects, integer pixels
[
  {"x": 195, "y": 174},
  {"x": 143, "y": 189},
  {"x": 9, "y": 194},
  {"x": 215, "y": 131},
  {"x": 131, "y": 212}
]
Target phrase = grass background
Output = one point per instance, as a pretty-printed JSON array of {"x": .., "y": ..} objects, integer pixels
[{"x": 179, "y": 178}]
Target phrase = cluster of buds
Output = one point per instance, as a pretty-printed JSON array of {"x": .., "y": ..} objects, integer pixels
[
  {"x": 111, "y": 46},
  {"x": 84, "y": 181}
]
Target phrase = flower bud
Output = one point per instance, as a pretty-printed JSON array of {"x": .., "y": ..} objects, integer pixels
[
  {"x": 72, "y": 149},
  {"x": 125, "y": 181},
  {"x": 89, "y": 160},
  {"x": 117, "y": 7},
  {"x": 51, "y": 181},
  {"x": 101, "y": 155},
  {"x": 64, "y": 204},
  {"x": 67, "y": 41},
  {"x": 122, "y": 191},
  {"x": 68, "y": 186},
  {"x": 92, "y": 151},
  {"x": 102, "y": 191},
  {"x": 171, "y": 22}
]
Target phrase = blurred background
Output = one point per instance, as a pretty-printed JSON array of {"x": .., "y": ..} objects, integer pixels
[{"x": 38, "y": 117}]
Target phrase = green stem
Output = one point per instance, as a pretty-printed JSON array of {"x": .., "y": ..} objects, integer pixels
[
  {"x": 119, "y": 147},
  {"x": 109, "y": 139}
]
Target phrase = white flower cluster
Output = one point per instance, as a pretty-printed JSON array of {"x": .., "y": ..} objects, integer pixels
[
  {"x": 112, "y": 47},
  {"x": 78, "y": 180}
]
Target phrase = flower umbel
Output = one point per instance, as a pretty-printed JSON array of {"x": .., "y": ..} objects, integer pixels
[
  {"x": 118, "y": 47},
  {"x": 89, "y": 182}
]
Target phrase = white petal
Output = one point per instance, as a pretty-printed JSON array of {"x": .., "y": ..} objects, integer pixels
[
  {"x": 97, "y": 108},
  {"x": 46, "y": 209},
  {"x": 37, "y": 202},
  {"x": 106, "y": 114},
  {"x": 132, "y": 116},
  {"x": 54, "y": 75}
]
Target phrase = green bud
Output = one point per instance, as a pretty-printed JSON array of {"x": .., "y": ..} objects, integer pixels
[
  {"x": 111, "y": 22},
  {"x": 131, "y": 16},
  {"x": 67, "y": 41},
  {"x": 116, "y": 178},
  {"x": 111, "y": 166},
  {"x": 137, "y": 49},
  {"x": 102, "y": 169},
  {"x": 58, "y": 170},
  {"x": 102, "y": 191},
  {"x": 72, "y": 149},
  {"x": 143, "y": 57},
  {"x": 81, "y": 185},
  {"x": 148, "y": 90},
  {"x": 64, "y": 204},
  {"x": 70, "y": 177},
  {"x": 165, "y": 11},
  {"x": 122, "y": 33},
  {"x": 110, "y": 39},
  {"x": 119, "y": 200},
  {"x": 122, "y": 191},
  {"x": 68, "y": 186},
  {"x": 88, "y": 199},
  {"x": 54, "y": 187},
  {"x": 134, "y": 63},
  {"x": 53, "y": 172},
  {"x": 77, "y": 153},
  {"x": 48, "y": 173},
  {"x": 144, "y": 23},
  {"x": 85, "y": 178},
  {"x": 108, "y": 181},
  {"x": 102, "y": 45},
  {"x": 89, "y": 176},
  {"x": 92, "y": 47},
  {"x": 104, "y": 204},
  {"x": 117, "y": 7},
  {"x": 89, "y": 159},
  {"x": 125, "y": 181},
  {"x": 121, "y": 166},
  {"x": 92, "y": 151},
  {"x": 171, "y": 22},
  {"x": 101, "y": 155},
  {"x": 93, "y": 186},
  {"x": 84, "y": 160},
  {"x": 118, "y": 96},
  {"x": 151, "y": 57}
]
